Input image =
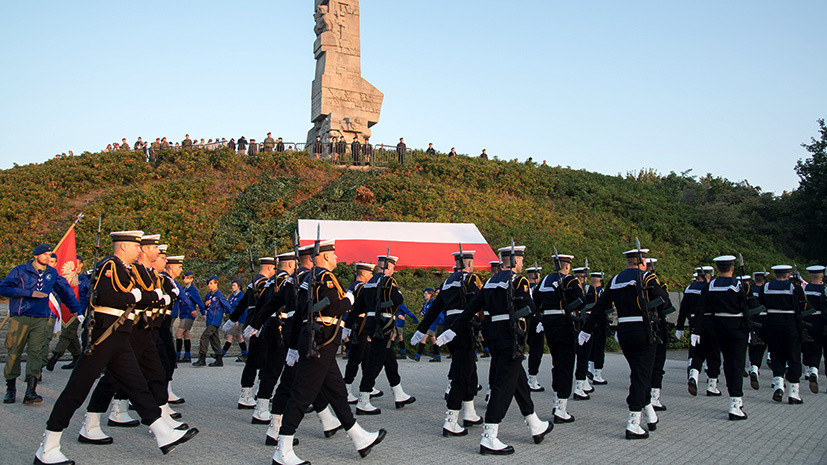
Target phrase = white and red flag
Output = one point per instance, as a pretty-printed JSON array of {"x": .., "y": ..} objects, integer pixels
[
  {"x": 67, "y": 266},
  {"x": 418, "y": 245}
]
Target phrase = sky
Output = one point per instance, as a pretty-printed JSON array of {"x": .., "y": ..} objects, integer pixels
[{"x": 727, "y": 88}]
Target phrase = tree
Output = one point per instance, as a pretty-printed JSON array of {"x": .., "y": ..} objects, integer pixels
[{"x": 809, "y": 199}]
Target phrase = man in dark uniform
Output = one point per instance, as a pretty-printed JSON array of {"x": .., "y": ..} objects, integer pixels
[
  {"x": 660, "y": 351},
  {"x": 356, "y": 150},
  {"x": 758, "y": 341},
  {"x": 507, "y": 343},
  {"x": 269, "y": 143},
  {"x": 401, "y": 149},
  {"x": 68, "y": 339},
  {"x": 315, "y": 351},
  {"x": 597, "y": 357},
  {"x": 186, "y": 144},
  {"x": 117, "y": 294},
  {"x": 455, "y": 294},
  {"x": 633, "y": 291},
  {"x": 172, "y": 270},
  {"x": 379, "y": 300},
  {"x": 279, "y": 145},
  {"x": 784, "y": 300},
  {"x": 354, "y": 331},
  {"x": 535, "y": 339},
  {"x": 814, "y": 349},
  {"x": 706, "y": 348},
  {"x": 341, "y": 148},
  {"x": 557, "y": 297},
  {"x": 686, "y": 313},
  {"x": 725, "y": 298}
]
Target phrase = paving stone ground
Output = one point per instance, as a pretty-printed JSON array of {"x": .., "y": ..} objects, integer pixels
[{"x": 693, "y": 430}]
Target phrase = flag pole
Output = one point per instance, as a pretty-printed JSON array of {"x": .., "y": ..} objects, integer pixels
[{"x": 60, "y": 242}]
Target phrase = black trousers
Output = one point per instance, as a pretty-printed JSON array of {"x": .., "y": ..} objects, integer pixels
[
  {"x": 657, "y": 366},
  {"x": 708, "y": 349},
  {"x": 464, "y": 369},
  {"x": 758, "y": 347},
  {"x": 116, "y": 356},
  {"x": 562, "y": 343},
  {"x": 581, "y": 367},
  {"x": 357, "y": 357},
  {"x": 639, "y": 351},
  {"x": 166, "y": 347},
  {"x": 380, "y": 356},
  {"x": 274, "y": 355},
  {"x": 732, "y": 337},
  {"x": 536, "y": 345},
  {"x": 814, "y": 349},
  {"x": 149, "y": 362},
  {"x": 508, "y": 382},
  {"x": 256, "y": 352},
  {"x": 598, "y": 342},
  {"x": 315, "y": 378},
  {"x": 284, "y": 389},
  {"x": 785, "y": 346}
]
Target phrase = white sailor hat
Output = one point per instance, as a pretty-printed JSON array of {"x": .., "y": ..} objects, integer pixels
[
  {"x": 782, "y": 268},
  {"x": 466, "y": 254},
  {"x": 365, "y": 266},
  {"x": 651, "y": 260},
  {"x": 150, "y": 239},
  {"x": 327, "y": 246},
  {"x": 635, "y": 252},
  {"x": 286, "y": 256},
  {"x": 495, "y": 262},
  {"x": 596, "y": 274},
  {"x": 816, "y": 269},
  {"x": 266, "y": 261},
  {"x": 306, "y": 250},
  {"x": 724, "y": 259},
  {"x": 163, "y": 248},
  {"x": 127, "y": 236},
  {"x": 564, "y": 258},
  {"x": 519, "y": 251},
  {"x": 534, "y": 269},
  {"x": 175, "y": 260},
  {"x": 388, "y": 258},
  {"x": 708, "y": 269},
  {"x": 760, "y": 273},
  {"x": 743, "y": 277},
  {"x": 580, "y": 270}
]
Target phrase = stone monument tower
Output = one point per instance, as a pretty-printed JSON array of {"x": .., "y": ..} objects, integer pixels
[{"x": 343, "y": 103}]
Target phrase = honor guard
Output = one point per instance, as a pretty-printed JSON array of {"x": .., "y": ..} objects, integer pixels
[
  {"x": 558, "y": 298},
  {"x": 379, "y": 299},
  {"x": 706, "y": 347},
  {"x": 784, "y": 300},
  {"x": 459, "y": 289},
  {"x": 635, "y": 293},
  {"x": 506, "y": 297},
  {"x": 536, "y": 339},
  {"x": 660, "y": 351},
  {"x": 598, "y": 355},
  {"x": 758, "y": 339},
  {"x": 355, "y": 332},
  {"x": 582, "y": 388},
  {"x": 815, "y": 323},
  {"x": 172, "y": 270},
  {"x": 313, "y": 346},
  {"x": 725, "y": 299},
  {"x": 163, "y": 341},
  {"x": 116, "y": 294}
]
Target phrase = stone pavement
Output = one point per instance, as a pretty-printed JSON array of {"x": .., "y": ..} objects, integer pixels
[{"x": 693, "y": 430}]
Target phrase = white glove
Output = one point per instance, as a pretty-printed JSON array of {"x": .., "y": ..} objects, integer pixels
[
  {"x": 250, "y": 331},
  {"x": 176, "y": 292},
  {"x": 166, "y": 299},
  {"x": 227, "y": 326},
  {"x": 350, "y": 297},
  {"x": 679, "y": 333},
  {"x": 417, "y": 338},
  {"x": 445, "y": 338},
  {"x": 159, "y": 293},
  {"x": 583, "y": 337},
  {"x": 80, "y": 319},
  {"x": 345, "y": 333},
  {"x": 136, "y": 293},
  {"x": 292, "y": 357},
  {"x": 695, "y": 339},
  {"x": 749, "y": 338},
  {"x": 539, "y": 328},
  {"x": 616, "y": 339}
]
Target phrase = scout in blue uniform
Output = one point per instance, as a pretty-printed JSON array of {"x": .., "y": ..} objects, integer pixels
[
  {"x": 186, "y": 318},
  {"x": 217, "y": 306},
  {"x": 28, "y": 287},
  {"x": 235, "y": 332},
  {"x": 68, "y": 339}
]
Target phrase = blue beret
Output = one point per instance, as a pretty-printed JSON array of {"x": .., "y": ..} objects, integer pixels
[
  {"x": 213, "y": 278},
  {"x": 238, "y": 281},
  {"x": 42, "y": 248},
  {"x": 189, "y": 273},
  {"x": 428, "y": 289},
  {"x": 80, "y": 258}
]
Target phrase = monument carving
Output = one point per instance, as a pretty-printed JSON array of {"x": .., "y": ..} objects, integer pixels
[{"x": 342, "y": 102}]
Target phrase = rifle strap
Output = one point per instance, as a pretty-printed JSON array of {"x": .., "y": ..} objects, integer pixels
[{"x": 113, "y": 327}]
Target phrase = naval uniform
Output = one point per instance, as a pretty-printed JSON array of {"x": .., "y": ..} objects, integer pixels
[
  {"x": 660, "y": 349},
  {"x": 379, "y": 322},
  {"x": 814, "y": 349},
  {"x": 536, "y": 342},
  {"x": 757, "y": 346},
  {"x": 270, "y": 309},
  {"x": 166, "y": 345},
  {"x": 598, "y": 339},
  {"x": 784, "y": 302},
  {"x": 256, "y": 349},
  {"x": 725, "y": 299},
  {"x": 686, "y": 313},
  {"x": 457, "y": 290},
  {"x": 114, "y": 284},
  {"x": 357, "y": 355}
]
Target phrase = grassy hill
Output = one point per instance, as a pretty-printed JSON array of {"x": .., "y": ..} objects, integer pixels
[{"x": 213, "y": 205}]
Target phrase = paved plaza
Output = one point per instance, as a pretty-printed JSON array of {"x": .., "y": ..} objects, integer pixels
[{"x": 693, "y": 430}]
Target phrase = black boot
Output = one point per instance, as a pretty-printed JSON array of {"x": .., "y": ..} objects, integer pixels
[
  {"x": 71, "y": 364},
  {"x": 31, "y": 396},
  {"x": 219, "y": 362},
  {"x": 11, "y": 391},
  {"x": 201, "y": 362},
  {"x": 50, "y": 365}
]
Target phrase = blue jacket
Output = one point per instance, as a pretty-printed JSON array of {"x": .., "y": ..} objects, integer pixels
[
  {"x": 217, "y": 308},
  {"x": 400, "y": 322},
  {"x": 183, "y": 305},
  {"x": 233, "y": 301},
  {"x": 23, "y": 280},
  {"x": 195, "y": 299},
  {"x": 439, "y": 319},
  {"x": 83, "y": 292}
]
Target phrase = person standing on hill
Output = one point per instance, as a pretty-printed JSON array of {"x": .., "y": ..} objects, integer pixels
[
  {"x": 401, "y": 150},
  {"x": 242, "y": 145}
]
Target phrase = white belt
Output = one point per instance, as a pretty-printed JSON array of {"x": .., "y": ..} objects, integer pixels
[
  {"x": 630, "y": 319},
  {"x": 109, "y": 311},
  {"x": 453, "y": 312},
  {"x": 384, "y": 315},
  {"x": 730, "y": 315},
  {"x": 327, "y": 320},
  {"x": 815, "y": 313},
  {"x": 499, "y": 318},
  {"x": 485, "y": 312},
  {"x": 554, "y": 312},
  {"x": 782, "y": 312},
  {"x": 287, "y": 315}
]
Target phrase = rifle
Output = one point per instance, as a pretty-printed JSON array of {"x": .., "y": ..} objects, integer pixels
[
  {"x": 517, "y": 350},
  {"x": 89, "y": 322},
  {"x": 378, "y": 328},
  {"x": 461, "y": 269},
  {"x": 643, "y": 303},
  {"x": 312, "y": 350}
]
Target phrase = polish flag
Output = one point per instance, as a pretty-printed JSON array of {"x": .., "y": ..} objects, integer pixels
[
  {"x": 418, "y": 245},
  {"x": 67, "y": 266}
]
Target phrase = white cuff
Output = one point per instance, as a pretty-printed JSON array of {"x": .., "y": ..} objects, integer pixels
[
  {"x": 350, "y": 297},
  {"x": 136, "y": 293},
  {"x": 159, "y": 293},
  {"x": 166, "y": 299}
]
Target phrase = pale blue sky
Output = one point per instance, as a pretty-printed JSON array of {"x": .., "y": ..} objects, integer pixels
[{"x": 730, "y": 88}]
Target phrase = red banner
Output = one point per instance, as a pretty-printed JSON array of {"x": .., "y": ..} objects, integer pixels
[{"x": 67, "y": 266}]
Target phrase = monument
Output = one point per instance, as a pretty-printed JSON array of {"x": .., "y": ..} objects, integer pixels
[{"x": 342, "y": 102}]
